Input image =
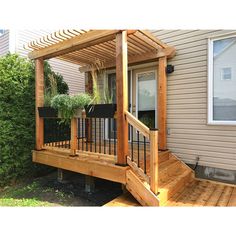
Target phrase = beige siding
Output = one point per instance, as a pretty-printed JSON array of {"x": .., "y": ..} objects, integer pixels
[
  {"x": 69, "y": 71},
  {"x": 4, "y": 43},
  {"x": 189, "y": 135}
]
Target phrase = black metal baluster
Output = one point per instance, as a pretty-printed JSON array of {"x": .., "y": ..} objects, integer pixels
[
  {"x": 58, "y": 132},
  {"x": 138, "y": 146},
  {"x": 82, "y": 134},
  {"x": 86, "y": 133},
  {"x": 114, "y": 137},
  {"x": 95, "y": 135},
  {"x": 78, "y": 138},
  {"x": 104, "y": 134},
  {"x": 61, "y": 129},
  {"x": 144, "y": 153},
  {"x": 69, "y": 134},
  {"x": 109, "y": 134},
  {"x": 91, "y": 133},
  {"x": 100, "y": 135},
  {"x": 53, "y": 134},
  {"x": 132, "y": 144}
]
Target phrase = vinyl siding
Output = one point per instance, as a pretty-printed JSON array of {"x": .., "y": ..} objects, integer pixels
[
  {"x": 189, "y": 135},
  {"x": 4, "y": 43},
  {"x": 69, "y": 71}
]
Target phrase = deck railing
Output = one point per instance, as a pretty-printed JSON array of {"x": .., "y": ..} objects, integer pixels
[
  {"x": 56, "y": 134},
  {"x": 143, "y": 151},
  {"x": 97, "y": 135}
]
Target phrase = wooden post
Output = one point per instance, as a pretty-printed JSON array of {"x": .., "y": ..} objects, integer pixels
[
  {"x": 162, "y": 84},
  {"x": 39, "y": 101},
  {"x": 73, "y": 134},
  {"x": 121, "y": 96},
  {"x": 154, "y": 160},
  {"x": 89, "y": 184}
]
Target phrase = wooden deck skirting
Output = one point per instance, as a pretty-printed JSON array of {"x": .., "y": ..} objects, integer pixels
[{"x": 84, "y": 164}]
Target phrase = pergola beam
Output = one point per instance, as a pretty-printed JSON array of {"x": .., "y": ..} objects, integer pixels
[
  {"x": 153, "y": 38},
  {"x": 88, "y": 39},
  {"x": 168, "y": 52}
]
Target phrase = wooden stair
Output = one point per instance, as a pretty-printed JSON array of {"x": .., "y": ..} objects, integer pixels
[{"x": 174, "y": 176}]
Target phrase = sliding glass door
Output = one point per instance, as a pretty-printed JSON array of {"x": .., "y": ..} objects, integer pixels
[{"x": 146, "y": 98}]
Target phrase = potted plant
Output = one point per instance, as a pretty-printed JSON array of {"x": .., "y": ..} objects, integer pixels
[
  {"x": 101, "y": 105},
  {"x": 47, "y": 111},
  {"x": 70, "y": 106}
]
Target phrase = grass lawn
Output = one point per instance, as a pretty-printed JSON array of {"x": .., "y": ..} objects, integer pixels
[{"x": 47, "y": 191}]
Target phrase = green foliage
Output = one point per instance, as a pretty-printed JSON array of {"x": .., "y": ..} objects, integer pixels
[
  {"x": 51, "y": 91},
  {"x": 99, "y": 96},
  {"x": 67, "y": 105},
  {"x": 17, "y": 117},
  {"x": 62, "y": 87}
]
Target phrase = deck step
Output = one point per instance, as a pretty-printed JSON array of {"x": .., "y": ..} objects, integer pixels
[
  {"x": 175, "y": 184},
  {"x": 169, "y": 168},
  {"x": 163, "y": 156}
]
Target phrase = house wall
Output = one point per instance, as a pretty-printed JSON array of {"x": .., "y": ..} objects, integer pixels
[
  {"x": 69, "y": 71},
  {"x": 189, "y": 135},
  {"x": 4, "y": 43}
]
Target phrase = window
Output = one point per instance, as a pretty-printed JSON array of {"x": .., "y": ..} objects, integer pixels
[
  {"x": 226, "y": 73},
  {"x": 2, "y": 32},
  {"x": 222, "y": 81}
]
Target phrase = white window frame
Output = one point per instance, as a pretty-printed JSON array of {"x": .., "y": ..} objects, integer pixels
[{"x": 210, "y": 81}]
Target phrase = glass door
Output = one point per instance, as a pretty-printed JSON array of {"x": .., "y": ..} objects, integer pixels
[
  {"x": 111, "y": 85},
  {"x": 146, "y": 91}
]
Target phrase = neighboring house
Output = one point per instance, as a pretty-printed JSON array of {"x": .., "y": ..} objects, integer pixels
[{"x": 13, "y": 41}]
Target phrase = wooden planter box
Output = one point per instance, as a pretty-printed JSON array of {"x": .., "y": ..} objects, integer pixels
[
  {"x": 100, "y": 110},
  {"x": 47, "y": 112}
]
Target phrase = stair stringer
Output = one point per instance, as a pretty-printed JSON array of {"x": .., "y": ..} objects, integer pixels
[{"x": 140, "y": 190}]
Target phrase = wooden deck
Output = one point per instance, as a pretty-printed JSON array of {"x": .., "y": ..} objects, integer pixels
[
  {"x": 177, "y": 184},
  {"x": 198, "y": 194}
]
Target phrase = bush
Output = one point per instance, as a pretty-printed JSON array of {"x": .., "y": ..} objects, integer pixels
[{"x": 17, "y": 117}]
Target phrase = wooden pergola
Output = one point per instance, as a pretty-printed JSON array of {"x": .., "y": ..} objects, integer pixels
[{"x": 114, "y": 48}]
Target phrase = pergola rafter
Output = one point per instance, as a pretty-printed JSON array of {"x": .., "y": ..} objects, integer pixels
[{"x": 80, "y": 46}]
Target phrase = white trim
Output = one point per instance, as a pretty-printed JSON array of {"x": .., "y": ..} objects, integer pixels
[
  {"x": 136, "y": 97},
  {"x": 210, "y": 120}
]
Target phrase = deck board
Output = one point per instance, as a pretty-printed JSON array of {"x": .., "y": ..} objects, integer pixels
[{"x": 205, "y": 193}]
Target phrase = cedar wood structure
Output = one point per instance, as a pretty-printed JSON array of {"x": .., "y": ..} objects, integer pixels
[{"x": 161, "y": 178}]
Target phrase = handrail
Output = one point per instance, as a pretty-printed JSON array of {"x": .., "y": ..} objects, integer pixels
[
  {"x": 152, "y": 135},
  {"x": 137, "y": 124}
]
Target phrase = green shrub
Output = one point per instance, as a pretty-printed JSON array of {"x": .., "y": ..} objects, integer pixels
[
  {"x": 67, "y": 105},
  {"x": 17, "y": 116}
]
